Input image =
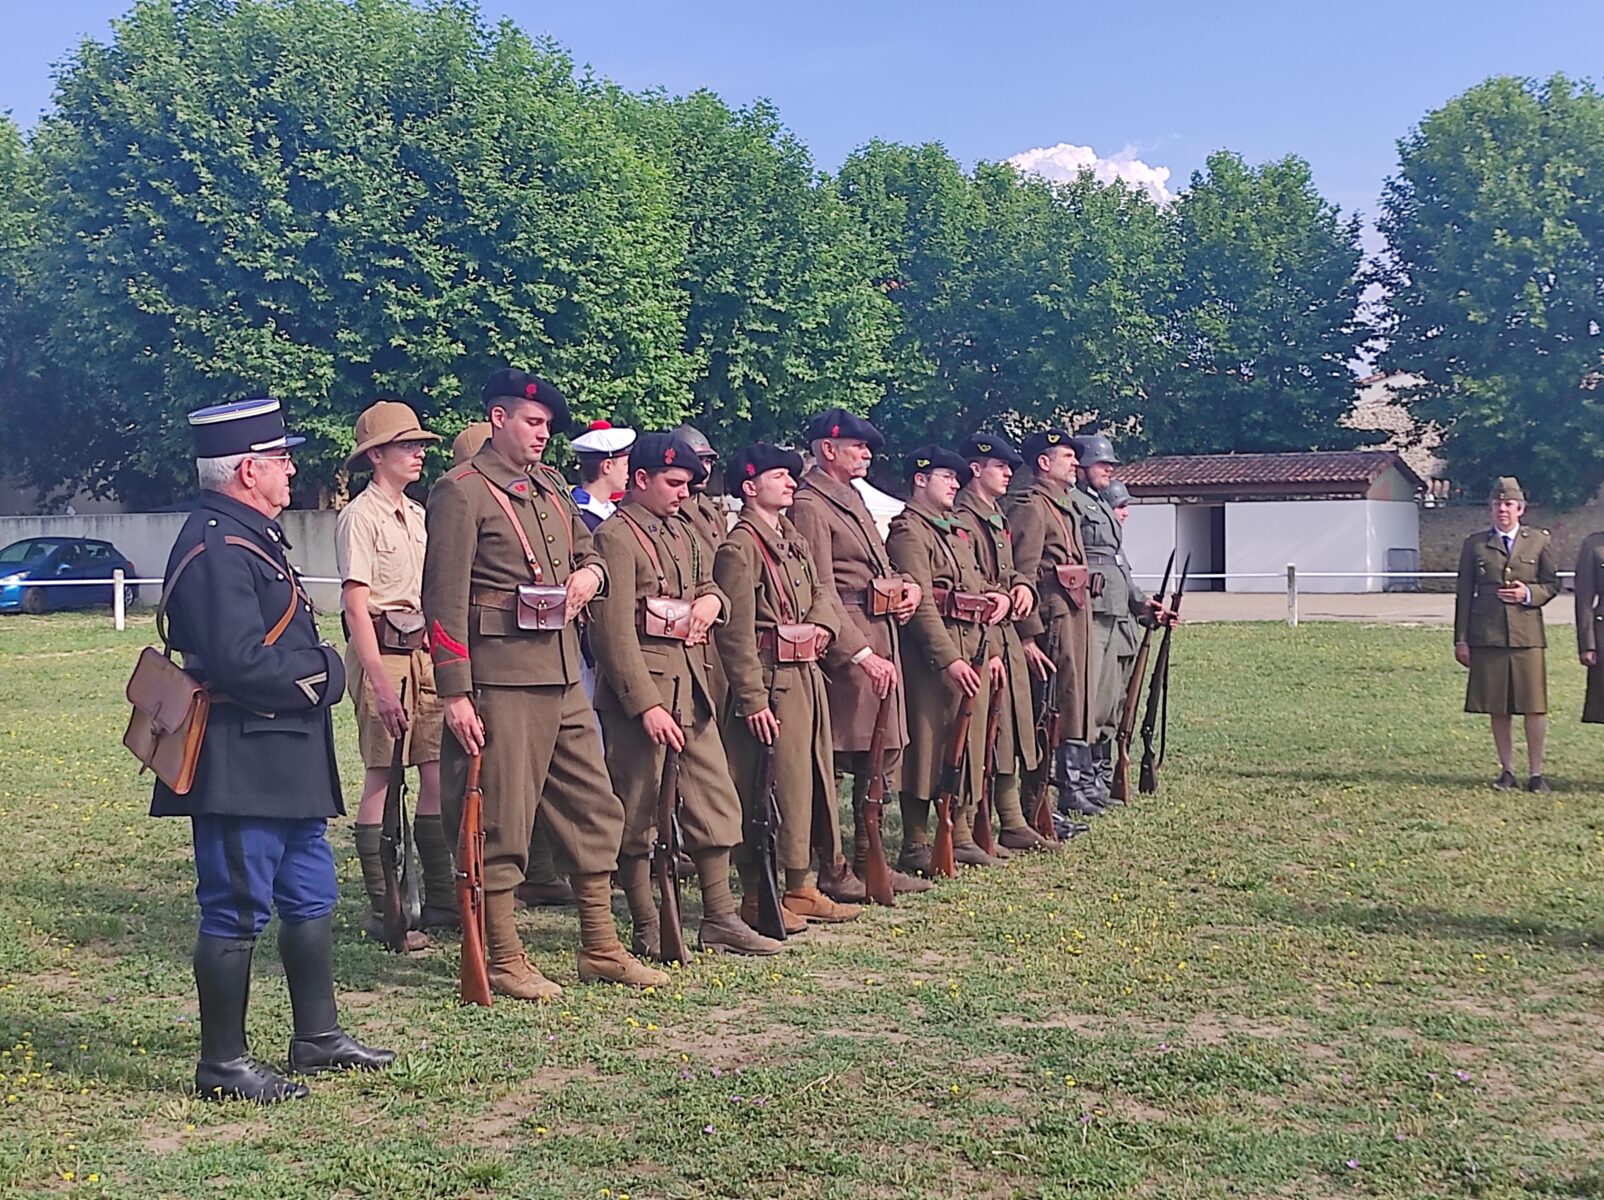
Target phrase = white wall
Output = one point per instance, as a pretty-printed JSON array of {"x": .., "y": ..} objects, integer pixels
[
  {"x": 1149, "y": 538},
  {"x": 1318, "y": 535},
  {"x": 1394, "y": 524}
]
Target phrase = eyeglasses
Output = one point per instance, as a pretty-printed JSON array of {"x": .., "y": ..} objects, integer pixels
[
  {"x": 411, "y": 447},
  {"x": 283, "y": 460}
]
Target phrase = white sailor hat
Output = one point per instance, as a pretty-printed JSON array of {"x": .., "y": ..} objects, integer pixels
[
  {"x": 243, "y": 427},
  {"x": 605, "y": 440}
]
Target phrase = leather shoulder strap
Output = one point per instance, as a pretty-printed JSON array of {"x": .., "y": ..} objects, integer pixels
[
  {"x": 772, "y": 569},
  {"x": 517, "y": 526},
  {"x": 646, "y": 545},
  {"x": 273, "y": 634}
]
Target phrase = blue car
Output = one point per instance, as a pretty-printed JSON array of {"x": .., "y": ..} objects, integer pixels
[{"x": 52, "y": 559}]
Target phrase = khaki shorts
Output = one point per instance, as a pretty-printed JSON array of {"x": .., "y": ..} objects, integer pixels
[{"x": 422, "y": 701}]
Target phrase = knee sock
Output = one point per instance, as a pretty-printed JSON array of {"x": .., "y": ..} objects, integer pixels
[
  {"x": 502, "y": 943},
  {"x": 915, "y": 820},
  {"x": 635, "y": 877},
  {"x": 713, "y": 869},
  {"x": 594, "y": 898},
  {"x": 1009, "y": 800},
  {"x": 434, "y": 856},
  {"x": 370, "y": 853}
]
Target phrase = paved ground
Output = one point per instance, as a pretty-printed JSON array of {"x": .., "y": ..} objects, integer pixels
[{"x": 1394, "y": 608}]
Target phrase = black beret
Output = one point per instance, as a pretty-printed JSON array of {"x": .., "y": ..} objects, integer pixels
[
  {"x": 659, "y": 451},
  {"x": 929, "y": 458},
  {"x": 839, "y": 423},
  {"x": 1043, "y": 440},
  {"x": 751, "y": 461},
  {"x": 509, "y": 383},
  {"x": 984, "y": 444}
]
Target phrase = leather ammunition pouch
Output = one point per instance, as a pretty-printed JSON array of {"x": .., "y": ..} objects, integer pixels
[
  {"x": 665, "y": 617},
  {"x": 399, "y": 632},
  {"x": 797, "y": 643},
  {"x": 971, "y": 608},
  {"x": 1076, "y": 581},
  {"x": 884, "y": 595},
  {"x": 541, "y": 606}
]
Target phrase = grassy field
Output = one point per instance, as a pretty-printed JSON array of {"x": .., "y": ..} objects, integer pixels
[{"x": 1328, "y": 960}]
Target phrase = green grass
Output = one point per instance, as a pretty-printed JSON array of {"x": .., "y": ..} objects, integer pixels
[{"x": 1328, "y": 960}]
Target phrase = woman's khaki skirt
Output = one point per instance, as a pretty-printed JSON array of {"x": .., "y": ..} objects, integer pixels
[{"x": 1505, "y": 681}]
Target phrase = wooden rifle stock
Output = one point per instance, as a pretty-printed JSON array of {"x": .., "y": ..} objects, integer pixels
[
  {"x": 942, "y": 861},
  {"x": 765, "y": 832},
  {"x": 665, "y": 854},
  {"x": 876, "y": 870},
  {"x": 1155, "y": 720},
  {"x": 475, "y": 974},
  {"x": 392, "y": 846},
  {"x": 988, "y": 788},
  {"x": 1120, "y": 787},
  {"x": 1047, "y": 730}
]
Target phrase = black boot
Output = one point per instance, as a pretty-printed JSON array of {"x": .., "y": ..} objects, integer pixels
[
  {"x": 1103, "y": 770},
  {"x": 319, "y": 1044},
  {"x": 226, "y": 1070},
  {"x": 1075, "y": 791}
]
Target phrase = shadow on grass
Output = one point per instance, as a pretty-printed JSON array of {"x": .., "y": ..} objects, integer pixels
[
  {"x": 1389, "y": 776},
  {"x": 1417, "y": 920}
]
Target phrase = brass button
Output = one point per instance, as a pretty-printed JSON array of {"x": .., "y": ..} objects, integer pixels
[{"x": 549, "y": 538}]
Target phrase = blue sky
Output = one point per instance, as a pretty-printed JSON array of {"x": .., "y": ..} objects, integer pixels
[{"x": 1160, "y": 83}]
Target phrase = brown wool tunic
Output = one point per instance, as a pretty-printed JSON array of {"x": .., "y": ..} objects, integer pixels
[
  {"x": 1046, "y": 532},
  {"x": 935, "y": 551},
  {"x": 542, "y": 750},
  {"x": 1508, "y": 672},
  {"x": 1589, "y": 616},
  {"x": 635, "y": 672},
  {"x": 804, "y": 772},
  {"x": 707, "y": 518}
]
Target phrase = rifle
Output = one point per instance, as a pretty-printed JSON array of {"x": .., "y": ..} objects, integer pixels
[
  {"x": 766, "y": 821},
  {"x": 1120, "y": 787},
  {"x": 395, "y": 845},
  {"x": 988, "y": 787},
  {"x": 952, "y": 771},
  {"x": 665, "y": 854},
  {"x": 1047, "y": 729},
  {"x": 1157, "y": 715},
  {"x": 475, "y": 974},
  {"x": 876, "y": 871}
]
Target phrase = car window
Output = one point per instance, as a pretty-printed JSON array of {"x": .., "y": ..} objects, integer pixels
[{"x": 30, "y": 548}]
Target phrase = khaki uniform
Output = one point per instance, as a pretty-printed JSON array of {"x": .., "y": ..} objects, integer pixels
[
  {"x": 1047, "y": 534},
  {"x": 635, "y": 672},
  {"x": 803, "y": 768},
  {"x": 707, "y": 520},
  {"x": 934, "y": 550},
  {"x": 1121, "y": 601},
  {"x": 1589, "y": 616},
  {"x": 1508, "y": 673},
  {"x": 994, "y": 547},
  {"x": 382, "y": 545},
  {"x": 542, "y": 749}
]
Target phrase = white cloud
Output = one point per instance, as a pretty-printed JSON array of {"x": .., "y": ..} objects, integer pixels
[{"x": 1063, "y": 162}]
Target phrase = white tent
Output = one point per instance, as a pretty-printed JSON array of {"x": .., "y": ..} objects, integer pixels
[{"x": 881, "y": 506}]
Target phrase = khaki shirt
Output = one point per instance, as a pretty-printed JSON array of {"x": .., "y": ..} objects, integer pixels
[{"x": 381, "y": 545}]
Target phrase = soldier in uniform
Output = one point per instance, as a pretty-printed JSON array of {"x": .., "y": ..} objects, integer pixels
[
  {"x": 1506, "y": 575},
  {"x": 992, "y": 459},
  {"x": 1129, "y": 638},
  {"x": 1589, "y": 613},
  {"x": 767, "y": 572},
  {"x": 469, "y": 442},
  {"x": 652, "y": 692},
  {"x": 265, "y": 783},
  {"x": 603, "y": 452},
  {"x": 710, "y": 524},
  {"x": 861, "y": 664},
  {"x": 504, "y": 538},
  {"x": 1047, "y": 538},
  {"x": 378, "y": 544},
  {"x": 951, "y": 651}
]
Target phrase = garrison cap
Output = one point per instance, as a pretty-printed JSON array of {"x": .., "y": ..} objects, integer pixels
[
  {"x": 984, "y": 444},
  {"x": 660, "y": 451},
  {"x": 1507, "y": 488},
  {"x": 604, "y": 440},
  {"x": 508, "y": 383},
  {"x": 469, "y": 442},
  {"x": 1093, "y": 448},
  {"x": 751, "y": 461},
  {"x": 243, "y": 427},
  {"x": 839, "y": 423},
  {"x": 1043, "y": 440},
  {"x": 930, "y": 458},
  {"x": 696, "y": 440},
  {"x": 1116, "y": 494}
]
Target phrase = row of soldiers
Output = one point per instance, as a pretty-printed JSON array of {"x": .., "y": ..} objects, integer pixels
[{"x": 796, "y": 640}]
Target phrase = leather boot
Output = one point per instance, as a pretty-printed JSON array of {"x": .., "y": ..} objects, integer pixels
[
  {"x": 518, "y": 978},
  {"x": 816, "y": 906},
  {"x": 319, "y": 1044},
  {"x": 226, "y": 1070},
  {"x": 1068, "y": 830},
  {"x": 439, "y": 874},
  {"x": 1075, "y": 791},
  {"x": 370, "y": 854},
  {"x": 914, "y": 859},
  {"x": 971, "y": 855},
  {"x": 839, "y": 882},
  {"x": 1025, "y": 840},
  {"x": 793, "y": 923},
  {"x": 614, "y": 964},
  {"x": 729, "y": 933},
  {"x": 1103, "y": 773},
  {"x": 646, "y": 941}
]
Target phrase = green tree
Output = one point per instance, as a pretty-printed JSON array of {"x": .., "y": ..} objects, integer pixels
[
  {"x": 1264, "y": 317},
  {"x": 328, "y": 199},
  {"x": 1495, "y": 282}
]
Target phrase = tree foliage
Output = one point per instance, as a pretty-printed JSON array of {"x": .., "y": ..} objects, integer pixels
[{"x": 1495, "y": 272}]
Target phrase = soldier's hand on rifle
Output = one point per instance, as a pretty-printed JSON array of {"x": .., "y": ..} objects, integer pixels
[
  {"x": 965, "y": 676},
  {"x": 703, "y": 614},
  {"x": 660, "y": 727},
  {"x": 1462, "y": 653},
  {"x": 392, "y": 714},
  {"x": 999, "y": 673},
  {"x": 463, "y": 720},
  {"x": 910, "y": 604},
  {"x": 1024, "y": 601},
  {"x": 1001, "y": 605},
  {"x": 765, "y": 726},
  {"x": 882, "y": 673},
  {"x": 582, "y": 587},
  {"x": 1040, "y": 665}
]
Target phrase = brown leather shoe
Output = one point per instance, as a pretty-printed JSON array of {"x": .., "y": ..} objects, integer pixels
[
  {"x": 971, "y": 855},
  {"x": 793, "y": 923},
  {"x": 1026, "y": 840},
  {"x": 614, "y": 964},
  {"x": 842, "y": 884},
  {"x": 816, "y": 906},
  {"x": 647, "y": 942},
  {"x": 518, "y": 978},
  {"x": 908, "y": 885},
  {"x": 416, "y": 939},
  {"x": 543, "y": 895},
  {"x": 730, "y": 934},
  {"x": 999, "y": 851},
  {"x": 914, "y": 859}
]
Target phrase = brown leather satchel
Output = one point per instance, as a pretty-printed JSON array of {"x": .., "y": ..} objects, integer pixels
[
  {"x": 541, "y": 606},
  {"x": 1075, "y": 579},
  {"x": 171, "y": 707},
  {"x": 399, "y": 632},
  {"x": 884, "y": 596},
  {"x": 662, "y": 615},
  {"x": 797, "y": 643},
  {"x": 972, "y": 608}
]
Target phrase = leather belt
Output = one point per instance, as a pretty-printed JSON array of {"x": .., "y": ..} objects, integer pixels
[
  {"x": 858, "y": 598},
  {"x": 1101, "y": 560},
  {"x": 487, "y": 597}
]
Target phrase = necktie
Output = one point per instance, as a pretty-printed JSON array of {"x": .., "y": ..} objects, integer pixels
[{"x": 1509, "y": 545}]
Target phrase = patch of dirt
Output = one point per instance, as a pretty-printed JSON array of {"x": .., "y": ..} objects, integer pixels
[{"x": 167, "y": 1140}]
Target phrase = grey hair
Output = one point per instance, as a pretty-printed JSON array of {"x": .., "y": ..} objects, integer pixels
[{"x": 217, "y": 473}]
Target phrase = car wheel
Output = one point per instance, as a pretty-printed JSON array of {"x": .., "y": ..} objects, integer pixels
[
  {"x": 130, "y": 596},
  {"x": 33, "y": 601}
]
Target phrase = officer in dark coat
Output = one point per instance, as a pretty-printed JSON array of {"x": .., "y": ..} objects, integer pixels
[{"x": 265, "y": 783}]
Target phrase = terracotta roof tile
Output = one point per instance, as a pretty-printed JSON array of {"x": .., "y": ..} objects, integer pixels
[{"x": 1319, "y": 470}]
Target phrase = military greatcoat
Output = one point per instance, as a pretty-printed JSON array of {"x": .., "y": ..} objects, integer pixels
[
  {"x": 994, "y": 547},
  {"x": 804, "y": 768},
  {"x": 1047, "y": 534},
  {"x": 1508, "y": 673},
  {"x": 1120, "y": 600},
  {"x": 542, "y": 747},
  {"x": 935, "y": 551},
  {"x": 636, "y": 672},
  {"x": 1589, "y": 618},
  {"x": 708, "y": 520}
]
